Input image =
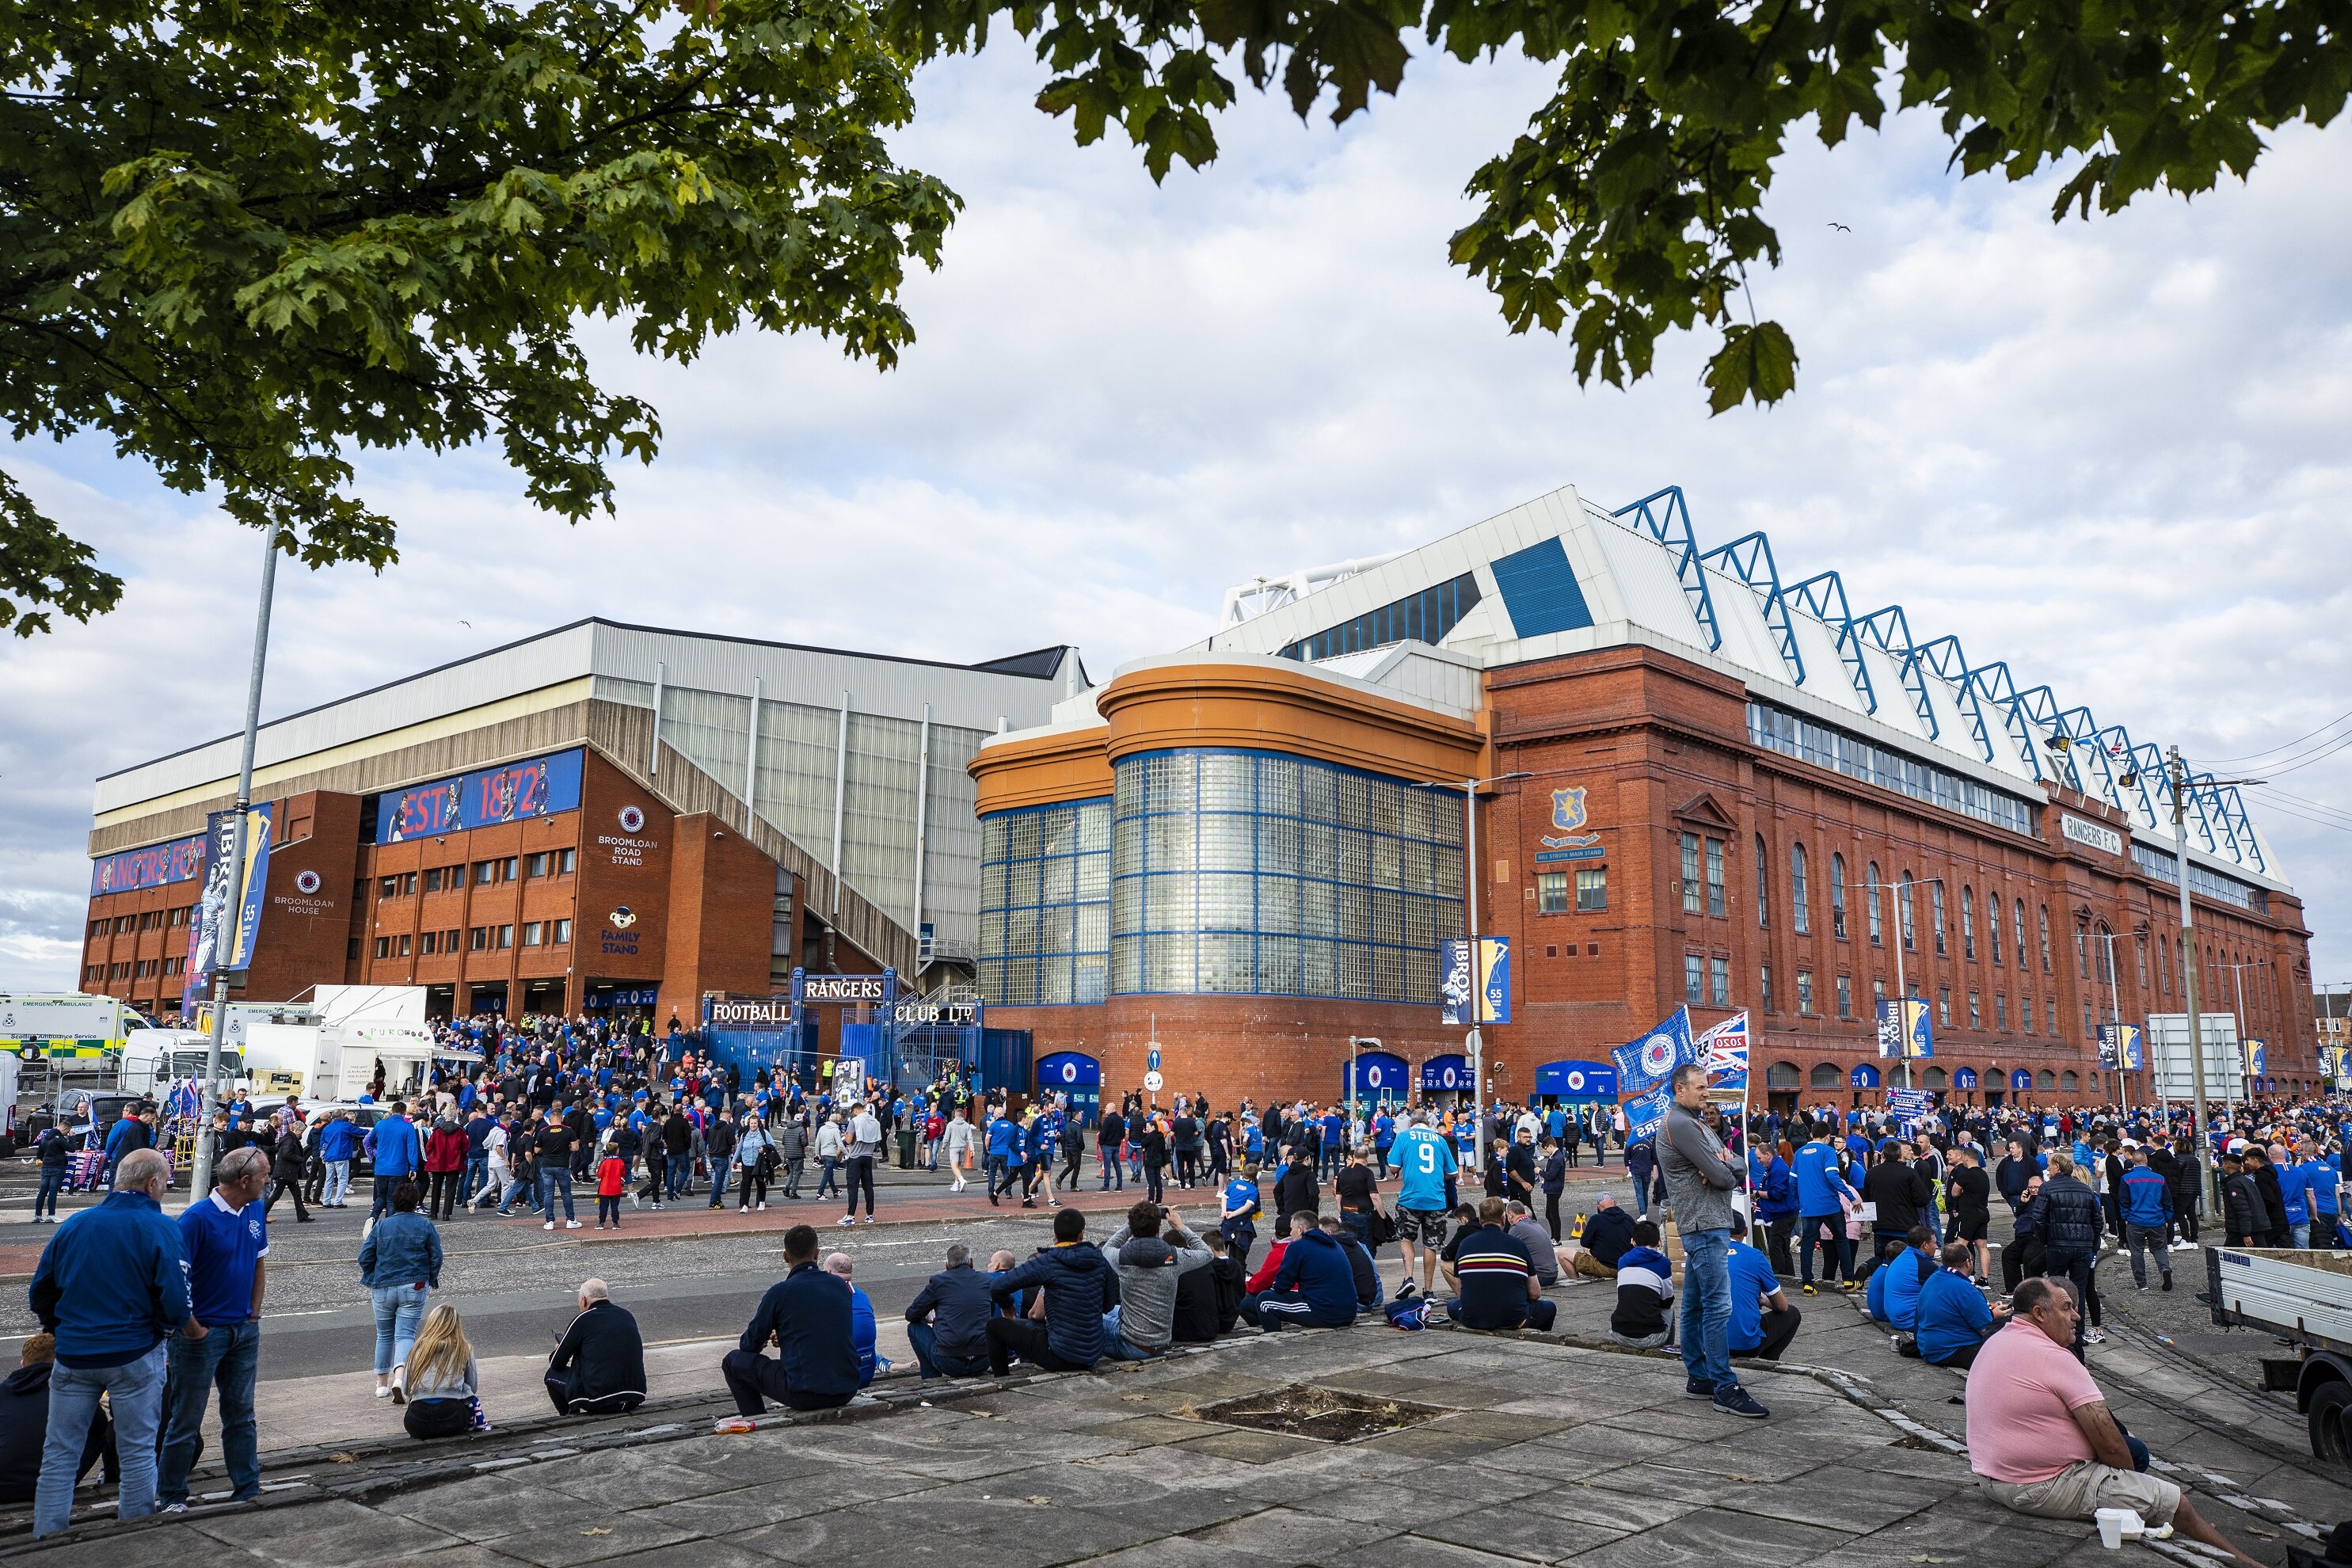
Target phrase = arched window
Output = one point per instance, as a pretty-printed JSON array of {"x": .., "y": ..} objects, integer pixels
[
  {"x": 1992, "y": 922},
  {"x": 1870, "y": 888},
  {"x": 2045, "y": 1079},
  {"x": 2069, "y": 1082},
  {"x": 1782, "y": 1075},
  {"x": 1968, "y": 921},
  {"x": 2103, "y": 953},
  {"x": 2021, "y": 933},
  {"x": 1763, "y": 884},
  {"x": 1837, "y": 897},
  {"x": 1935, "y": 1079},
  {"x": 1935, "y": 901},
  {"x": 1829, "y": 1076},
  {"x": 1903, "y": 913},
  {"x": 1800, "y": 913},
  {"x": 2045, "y": 941}
]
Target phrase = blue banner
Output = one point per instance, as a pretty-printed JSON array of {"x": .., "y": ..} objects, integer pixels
[
  {"x": 1483, "y": 975},
  {"x": 1864, "y": 1077},
  {"x": 1444, "y": 1075},
  {"x": 1644, "y": 1114},
  {"x": 1576, "y": 1080},
  {"x": 157, "y": 865},
  {"x": 1381, "y": 1075},
  {"x": 2122, "y": 1046},
  {"x": 1905, "y": 1030},
  {"x": 1652, "y": 1059},
  {"x": 543, "y": 787},
  {"x": 2257, "y": 1064}
]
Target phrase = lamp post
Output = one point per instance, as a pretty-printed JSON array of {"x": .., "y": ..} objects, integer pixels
[
  {"x": 1470, "y": 788},
  {"x": 2116, "y": 1017}
]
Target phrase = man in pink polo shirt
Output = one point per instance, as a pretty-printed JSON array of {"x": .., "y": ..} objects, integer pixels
[{"x": 2040, "y": 1438}]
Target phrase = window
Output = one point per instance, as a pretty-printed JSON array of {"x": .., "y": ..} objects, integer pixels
[
  {"x": 427, "y": 942},
  {"x": 2020, "y": 934},
  {"x": 509, "y": 868},
  {"x": 563, "y": 930},
  {"x": 1837, "y": 897},
  {"x": 1903, "y": 913},
  {"x": 1779, "y": 730},
  {"x": 506, "y": 936},
  {"x": 433, "y": 880},
  {"x": 384, "y": 947},
  {"x": 485, "y": 872},
  {"x": 404, "y": 947},
  {"x": 1800, "y": 903},
  {"x": 1763, "y": 885},
  {"x": 2082, "y": 954},
  {"x": 2050, "y": 1016},
  {"x": 1719, "y": 981},
  {"x": 2000, "y": 1010},
  {"x": 564, "y": 862},
  {"x": 1845, "y": 995},
  {"x": 1975, "y": 1011},
  {"x": 2025, "y": 1014},
  {"x": 408, "y": 884},
  {"x": 1992, "y": 922},
  {"x": 1805, "y": 991},
  {"x": 1870, "y": 890},
  {"x": 2045, "y": 949},
  {"x": 1936, "y": 908},
  {"x": 1551, "y": 892},
  {"x": 1943, "y": 1006},
  {"x": 535, "y": 865},
  {"x": 1877, "y": 996},
  {"x": 477, "y": 938},
  {"x": 1691, "y": 905},
  {"x": 352, "y": 951},
  {"x": 1764, "y": 985},
  {"x": 1968, "y": 922},
  {"x": 389, "y": 888},
  {"x": 1715, "y": 904},
  {"x": 530, "y": 933},
  {"x": 1694, "y": 979},
  {"x": 1591, "y": 890},
  {"x": 1425, "y": 616}
]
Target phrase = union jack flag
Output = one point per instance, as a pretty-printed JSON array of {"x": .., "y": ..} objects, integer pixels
[{"x": 1724, "y": 1048}]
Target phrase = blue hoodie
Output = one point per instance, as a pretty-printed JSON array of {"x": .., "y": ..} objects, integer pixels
[
  {"x": 1316, "y": 1266},
  {"x": 111, "y": 1282},
  {"x": 1952, "y": 1315},
  {"x": 2147, "y": 1198},
  {"x": 397, "y": 1151},
  {"x": 1776, "y": 1190},
  {"x": 1818, "y": 1182}
]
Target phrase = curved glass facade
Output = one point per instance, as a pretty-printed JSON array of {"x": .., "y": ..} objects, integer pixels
[
  {"x": 1045, "y": 909},
  {"x": 1259, "y": 873}
]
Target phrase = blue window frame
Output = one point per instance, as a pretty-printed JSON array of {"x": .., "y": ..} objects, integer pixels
[
  {"x": 1425, "y": 616},
  {"x": 1045, "y": 904}
]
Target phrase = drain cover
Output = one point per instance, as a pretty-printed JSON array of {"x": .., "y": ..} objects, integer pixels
[{"x": 1326, "y": 1415}]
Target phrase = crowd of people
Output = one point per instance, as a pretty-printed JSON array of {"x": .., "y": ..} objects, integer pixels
[{"x": 146, "y": 1317}]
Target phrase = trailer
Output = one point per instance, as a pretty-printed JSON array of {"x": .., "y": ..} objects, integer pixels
[{"x": 2305, "y": 1298}]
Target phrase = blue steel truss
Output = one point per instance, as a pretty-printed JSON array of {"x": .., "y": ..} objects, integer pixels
[
  {"x": 1944, "y": 655},
  {"x": 1890, "y": 628},
  {"x": 1823, "y": 598},
  {"x": 1749, "y": 559},
  {"x": 1665, "y": 517},
  {"x": 2219, "y": 810}
]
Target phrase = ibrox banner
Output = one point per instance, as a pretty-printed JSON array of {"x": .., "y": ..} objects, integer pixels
[{"x": 228, "y": 913}]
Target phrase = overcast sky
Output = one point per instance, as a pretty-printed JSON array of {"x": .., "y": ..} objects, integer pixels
[{"x": 2113, "y": 454}]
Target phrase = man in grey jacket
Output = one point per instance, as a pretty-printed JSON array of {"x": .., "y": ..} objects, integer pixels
[
  {"x": 1700, "y": 1179},
  {"x": 1149, "y": 1266}
]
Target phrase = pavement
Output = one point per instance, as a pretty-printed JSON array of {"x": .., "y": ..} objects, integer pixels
[{"x": 1534, "y": 1449}]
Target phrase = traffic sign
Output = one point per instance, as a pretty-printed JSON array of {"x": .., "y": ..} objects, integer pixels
[{"x": 1152, "y": 1080}]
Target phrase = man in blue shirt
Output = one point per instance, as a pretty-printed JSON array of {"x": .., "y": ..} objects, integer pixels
[
  {"x": 1953, "y": 1316},
  {"x": 1821, "y": 1194},
  {"x": 1424, "y": 1163},
  {"x": 1003, "y": 1155},
  {"x": 398, "y": 1155},
  {"x": 2146, "y": 1205},
  {"x": 225, "y": 1239},
  {"x": 2316, "y": 1180},
  {"x": 339, "y": 1144},
  {"x": 1243, "y": 1204},
  {"x": 111, "y": 1285},
  {"x": 1763, "y": 1322}
]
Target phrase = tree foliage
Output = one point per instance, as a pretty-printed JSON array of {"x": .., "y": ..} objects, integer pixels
[
  {"x": 244, "y": 238},
  {"x": 1632, "y": 204}
]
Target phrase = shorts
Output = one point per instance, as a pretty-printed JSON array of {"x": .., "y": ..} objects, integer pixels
[
  {"x": 1426, "y": 1227},
  {"x": 2085, "y": 1486},
  {"x": 1970, "y": 1227}
]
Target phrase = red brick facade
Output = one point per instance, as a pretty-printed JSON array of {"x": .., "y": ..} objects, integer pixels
[
  {"x": 1661, "y": 748},
  {"x": 530, "y": 914}
]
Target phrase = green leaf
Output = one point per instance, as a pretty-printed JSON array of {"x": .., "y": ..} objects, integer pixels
[{"x": 1757, "y": 361}]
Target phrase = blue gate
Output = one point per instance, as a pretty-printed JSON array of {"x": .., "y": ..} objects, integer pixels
[{"x": 1076, "y": 1075}]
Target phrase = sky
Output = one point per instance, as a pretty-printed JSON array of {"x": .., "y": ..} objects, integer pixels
[{"x": 2110, "y": 453}]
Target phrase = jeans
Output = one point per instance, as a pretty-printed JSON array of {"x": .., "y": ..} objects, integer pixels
[
  {"x": 338, "y": 1187},
  {"x": 1114, "y": 1172},
  {"x": 477, "y": 1172},
  {"x": 135, "y": 1393},
  {"x": 2301, "y": 1233},
  {"x": 53, "y": 1181},
  {"x": 553, "y": 1179},
  {"x": 1836, "y": 1259},
  {"x": 1116, "y": 1348},
  {"x": 681, "y": 1174},
  {"x": 926, "y": 1341},
  {"x": 399, "y": 1310},
  {"x": 828, "y": 1178},
  {"x": 517, "y": 1185},
  {"x": 2151, "y": 1237},
  {"x": 1707, "y": 1307},
  {"x": 230, "y": 1356},
  {"x": 2058, "y": 1263}
]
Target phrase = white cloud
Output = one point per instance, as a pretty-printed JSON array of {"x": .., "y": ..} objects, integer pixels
[{"x": 2109, "y": 453}]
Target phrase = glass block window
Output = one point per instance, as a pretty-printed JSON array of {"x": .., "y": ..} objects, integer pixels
[
  {"x": 1252, "y": 873},
  {"x": 1045, "y": 904}
]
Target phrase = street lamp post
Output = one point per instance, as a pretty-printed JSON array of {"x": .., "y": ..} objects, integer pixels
[{"x": 1470, "y": 788}]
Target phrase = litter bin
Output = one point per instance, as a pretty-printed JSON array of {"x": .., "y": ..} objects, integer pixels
[{"x": 906, "y": 1148}]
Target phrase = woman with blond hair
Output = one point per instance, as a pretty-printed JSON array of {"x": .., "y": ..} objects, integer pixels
[{"x": 444, "y": 1385}]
